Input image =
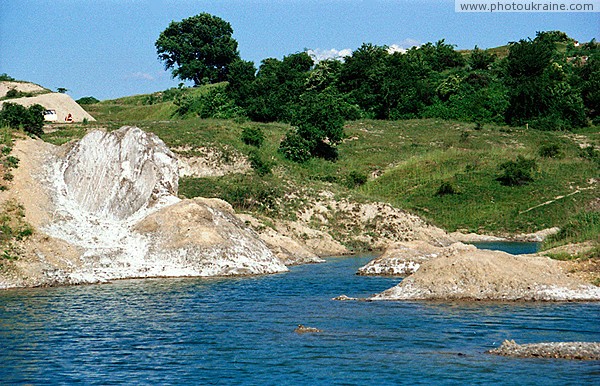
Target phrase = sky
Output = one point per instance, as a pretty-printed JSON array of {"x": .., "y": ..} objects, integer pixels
[{"x": 105, "y": 48}]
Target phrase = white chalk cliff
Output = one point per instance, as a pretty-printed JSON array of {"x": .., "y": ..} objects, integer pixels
[{"x": 111, "y": 197}]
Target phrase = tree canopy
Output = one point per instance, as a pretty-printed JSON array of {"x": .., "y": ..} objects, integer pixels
[{"x": 199, "y": 48}]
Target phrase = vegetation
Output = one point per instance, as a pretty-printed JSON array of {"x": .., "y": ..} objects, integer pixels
[
  {"x": 13, "y": 228},
  {"x": 199, "y": 48},
  {"x": 448, "y": 135},
  {"x": 518, "y": 172},
  {"x": 16, "y": 116},
  {"x": 88, "y": 100}
]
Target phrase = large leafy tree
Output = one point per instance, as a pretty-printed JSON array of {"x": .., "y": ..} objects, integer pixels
[
  {"x": 199, "y": 48},
  {"x": 277, "y": 87}
]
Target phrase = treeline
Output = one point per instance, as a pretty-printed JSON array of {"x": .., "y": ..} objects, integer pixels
[{"x": 548, "y": 83}]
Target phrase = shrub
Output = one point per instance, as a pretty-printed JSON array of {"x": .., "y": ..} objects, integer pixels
[
  {"x": 319, "y": 122},
  {"x": 518, "y": 172},
  {"x": 253, "y": 136},
  {"x": 88, "y": 100},
  {"x": 11, "y": 161},
  {"x": 6, "y": 77},
  {"x": 445, "y": 188},
  {"x": 295, "y": 148},
  {"x": 355, "y": 179},
  {"x": 260, "y": 166},
  {"x": 550, "y": 150},
  {"x": 591, "y": 154},
  {"x": 17, "y": 116},
  {"x": 213, "y": 104}
]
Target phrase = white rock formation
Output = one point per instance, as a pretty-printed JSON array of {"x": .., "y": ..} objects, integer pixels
[{"x": 112, "y": 198}]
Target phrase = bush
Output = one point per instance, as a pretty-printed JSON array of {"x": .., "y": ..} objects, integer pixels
[
  {"x": 6, "y": 77},
  {"x": 213, "y": 104},
  {"x": 591, "y": 154},
  {"x": 295, "y": 148},
  {"x": 260, "y": 166},
  {"x": 319, "y": 122},
  {"x": 29, "y": 119},
  {"x": 518, "y": 172},
  {"x": 445, "y": 188},
  {"x": 355, "y": 179},
  {"x": 550, "y": 150},
  {"x": 549, "y": 123},
  {"x": 88, "y": 100},
  {"x": 253, "y": 136}
]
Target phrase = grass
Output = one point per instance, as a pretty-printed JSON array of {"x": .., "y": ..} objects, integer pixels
[
  {"x": 406, "y": 163},
  {"x": 12, "y": 228}
]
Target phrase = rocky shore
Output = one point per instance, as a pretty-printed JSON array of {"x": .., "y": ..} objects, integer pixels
[{"x": 564, "y": 350}]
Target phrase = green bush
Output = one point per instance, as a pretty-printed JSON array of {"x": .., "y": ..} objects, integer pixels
[
  {"x": 260, "y": 166},
  {"x": 295, "y": 148},
  {"x": 518, "y": 172},
  {"x": 4, "y": 77},
  {"x": 11, "y": 161},
  {"x": 355, "y": 179},
  {"x": 17, "y": 116},
  {"x": 445, "y": 188},
  {"x": 253, "y": 136},
  {"x": 88, "y": 100},
  {"x": 550, "y": 150},
  {"x": 216, "y": 103},
  {"x": 590, "y": 153}
]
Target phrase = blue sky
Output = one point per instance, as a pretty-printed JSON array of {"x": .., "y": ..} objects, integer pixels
[{"x": 105, "y": 48}]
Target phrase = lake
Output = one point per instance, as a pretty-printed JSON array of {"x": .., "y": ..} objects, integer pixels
[{"x": 241, "y": 331}]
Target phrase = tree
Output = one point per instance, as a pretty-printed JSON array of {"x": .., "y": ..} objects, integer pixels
[
  {"x": 361, "y": 78},
  {"x": 480, "y": 59},
  {"x": 61, "y": 90},
  {"x": 17, "y": 116},
  {"x": 319, "y": 127},
  {"x": 199, "y": 48},
  {"x": 277, "y": 88}
]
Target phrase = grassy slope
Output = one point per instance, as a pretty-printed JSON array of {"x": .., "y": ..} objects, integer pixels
[{"x": 411, "y": 159}]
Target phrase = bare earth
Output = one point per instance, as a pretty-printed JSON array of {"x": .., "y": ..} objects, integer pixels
[{"x": 491, "y": 275}]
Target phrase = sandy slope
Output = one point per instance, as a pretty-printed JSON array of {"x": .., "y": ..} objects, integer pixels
[{"x": 62, "y": 103}]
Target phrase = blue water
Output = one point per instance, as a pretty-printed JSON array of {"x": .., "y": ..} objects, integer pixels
[
  {"x": 240, "y": 331},
  {"x": 514, "y": 247}
]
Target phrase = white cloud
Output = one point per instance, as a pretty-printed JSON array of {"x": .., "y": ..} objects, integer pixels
[
  {"x": 141, "y": 75},
  {"x": 319, "y": 55},
  {"x": 403, "y": 46}
]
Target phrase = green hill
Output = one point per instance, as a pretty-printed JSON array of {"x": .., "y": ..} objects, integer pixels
[{"x": 404, "y": 163}]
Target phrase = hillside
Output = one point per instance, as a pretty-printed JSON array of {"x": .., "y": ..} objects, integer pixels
[{"x": 402, "y": 163}]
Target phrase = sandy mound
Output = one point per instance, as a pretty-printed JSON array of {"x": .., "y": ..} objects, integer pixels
[
  {"x": 24, "y": 87},
  {"x": 490, "y": 275},
  {"x": 205, "y": 237},
  {"x": 405, "y": 258},
  {"x": 62, "y": 103}
]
